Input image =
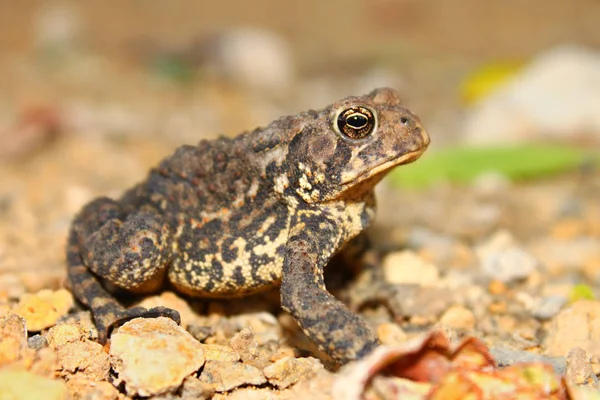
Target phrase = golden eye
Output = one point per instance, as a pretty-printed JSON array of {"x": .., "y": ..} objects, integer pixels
[{"x": 356, "y": 122}]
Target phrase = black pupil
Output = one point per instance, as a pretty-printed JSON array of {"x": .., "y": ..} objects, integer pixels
[{"x": 357, "y": 121}]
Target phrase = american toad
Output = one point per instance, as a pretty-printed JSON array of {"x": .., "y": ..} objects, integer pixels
[{"x": 230, "y": 217}]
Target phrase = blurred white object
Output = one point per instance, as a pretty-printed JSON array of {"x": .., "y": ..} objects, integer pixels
[
  {"x": 56, "y": 26},
  {"x": 251, "y": 57},
  {"x": 556, "y": 96}
]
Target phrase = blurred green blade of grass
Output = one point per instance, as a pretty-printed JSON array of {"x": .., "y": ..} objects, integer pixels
[{"x": 516, "y": 162}]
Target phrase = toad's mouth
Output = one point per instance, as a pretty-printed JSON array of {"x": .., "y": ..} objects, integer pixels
[{"x": 378, "y": 172}]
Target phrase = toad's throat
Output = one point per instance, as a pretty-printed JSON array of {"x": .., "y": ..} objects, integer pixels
[{"x": 379, "y": 171}]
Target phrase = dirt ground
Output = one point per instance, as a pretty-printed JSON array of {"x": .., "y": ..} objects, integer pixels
[{"x": 93, "y": 95}]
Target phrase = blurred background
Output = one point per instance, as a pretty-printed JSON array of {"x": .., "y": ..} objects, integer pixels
[{"x": 92, "y": 95}]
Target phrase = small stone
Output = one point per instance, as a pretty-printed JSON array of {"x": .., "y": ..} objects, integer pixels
[
  {"x": 13, "y": 339},
  {"x": 45, "y": 363},
  {"x": 458, "y": 317},
  {"x": 569, "y": 228},
  {"x": 555, "y": 97},
  {"x": 225, "y": 376},
  {"x": 76, "y": 355},
  {"x": 503, "y": 260},
  {"x": 579, "y": 369},
  {"x": 576, "y": 326},
  {"x": 498, "y": 307},
  {"x": 43, "y": 309},
  {"x": 497, "y": 287},
  {"x": 263, "y": 325},
  {"x": 565, "y": 255},
  {"x": 252, "y": 58},
  {"x": 87, "y": 359},
  {"x": 62, "y": 334},
  {"x": 391, "y": 334},
  {"x": 490, "y": 183},
  {"x": 85, "y": 389},
  {"x": 289, "y": 370},
  {"x": 194, "y": 388},
  {"x": 23, "y": 385},
  {"x": 251, "y": 393},
  {"x": 217, "y": 352},
  {"x": 427, "y": 304},
  {"x": 11, "y": 286},
  {"x": 406, "y": 267},
  {"x": 200, "y": 332},
  {"x": 505, "y": 357},
  {"x": 83, "y": 321},
  {"x": 153, "y": 355},
  {"x": 318, "y": 387},
  {"x": 595, "y": 360},
  {"x": 548, "y": 307},
  {"x": 591, "y": 269},
  {"x": 244, "y": 344},
  {"x": 37, "y": 342}
]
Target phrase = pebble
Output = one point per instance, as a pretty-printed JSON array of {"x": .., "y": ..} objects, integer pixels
[
  {"x": 249, "y": 57},
  {"x": 263, "y": 324},
  {"x": 60, "y": 335},
  {"x": 80, "y": 388},
  {"x": 217, "y": 352},
  {"x": 23, "y": 385},
  {"x": 490, "y": 183},
  {"x": 406, "y": 267},
  {"x": 37, "y": 342},
  {"x": 13, "y": 339},
  {"x": 504, "y": 261},
  {"x": 76, "y": 355},
  {"x": 579, "y": 369},
  {"x": 505, "y": 357},
  {"x": 11, "y": 286},
  {"x": 153, "y": 355},
  {"x": 497, "y": 288},
  {"x": 226, "y": 376},
  {"x": 56, "y": 28},
  {"x": 569, "y": 228},
  {"x": 251, "y": 393},
  {"x": 427, "y": 304},
  {"x": 87, "y": 359},
  {"x": 318, "y": 387},
  {"x": 289, "y": 370},
  {"x": 391, "y": 334},
  {"x": 245, "y": 345},
  {"x": 443, "y": 251},
  {"x": 194, "y": 388},
  {"x": 44, "y": 363},
  {"x": 548, "y": 307},
  {"x": 458, "y": 317},
  {"x": 560, "y": 256},
  {"x": 556, "y": 96},
  {"x": 43, "y": 309},
  {"x": 576, "y": 326}
]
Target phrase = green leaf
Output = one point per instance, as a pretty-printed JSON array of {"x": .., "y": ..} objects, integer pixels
[
  {"x": 581, "y": 292},
  {"x": 172, "y": 69},
  {"x": 516, "y": 162}
]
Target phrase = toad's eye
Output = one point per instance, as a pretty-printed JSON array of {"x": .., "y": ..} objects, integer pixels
[{"x": 356, "y": 122}]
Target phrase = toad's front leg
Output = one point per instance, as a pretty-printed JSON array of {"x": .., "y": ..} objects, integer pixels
[{"x": 333, "y": 327}]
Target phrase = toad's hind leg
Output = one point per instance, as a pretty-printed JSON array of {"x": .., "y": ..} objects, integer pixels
[{"x": 129, "y": 252}]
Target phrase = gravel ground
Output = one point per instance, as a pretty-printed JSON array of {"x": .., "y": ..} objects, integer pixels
[{"x": 515, "y": 265}]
